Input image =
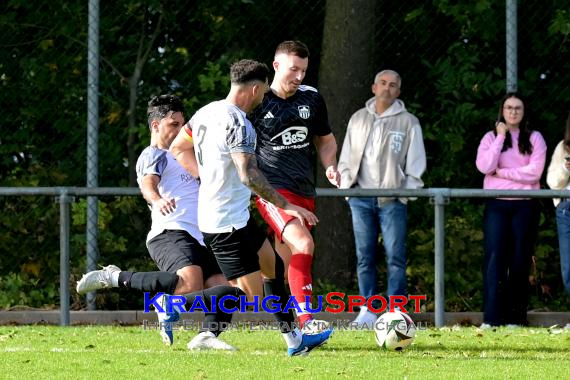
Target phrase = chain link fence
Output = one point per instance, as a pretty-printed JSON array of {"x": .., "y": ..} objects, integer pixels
[{"x": 452, "y": 57}]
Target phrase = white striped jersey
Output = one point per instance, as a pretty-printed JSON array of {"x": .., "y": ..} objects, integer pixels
[
  {"x": 218, "y": 130},
  {"x": 175, "y": 182}
]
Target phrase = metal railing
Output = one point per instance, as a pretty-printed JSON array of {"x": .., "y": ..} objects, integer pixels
[
  {"x": 64, "y": 196},
  {"x": 438, "y": 196}
]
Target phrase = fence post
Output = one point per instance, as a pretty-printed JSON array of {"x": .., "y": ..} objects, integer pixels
[
  {"x": 92, "y": 141},
  {"x": 511, "y": 45},
  {"x": 440, "y": 198},
  {"x": 64, "y": 200}
]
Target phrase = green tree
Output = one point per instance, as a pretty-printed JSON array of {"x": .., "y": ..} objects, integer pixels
[{"x": 450, "y": 54}]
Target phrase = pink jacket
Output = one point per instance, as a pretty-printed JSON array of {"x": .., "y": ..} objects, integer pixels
[{"x": 511, "y": 170}]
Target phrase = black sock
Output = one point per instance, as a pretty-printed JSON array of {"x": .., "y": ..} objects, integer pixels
[
  {"x": 279, "y": 264},
  {"x": 286, "y": 320},
  {"x": 149, "y": 281},
  {"x": 218, "y": 321},
  {"x": 276, "y": 287}
]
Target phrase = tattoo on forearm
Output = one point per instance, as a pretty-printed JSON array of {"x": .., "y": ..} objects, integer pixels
[{"x": 259, "y": 184}]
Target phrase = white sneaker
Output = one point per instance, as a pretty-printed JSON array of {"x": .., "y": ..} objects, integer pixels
[
  {"x": 96, "y": 279},
  {"x": 208, "y": 341},
  {"x": 513, "y": 326},
  {"x": 315, "y": 326},
  {"x": 567, "y": 327},
  {"x": 165, "y": 319},
  {"x": 365, "y": 319},
  {"x": 485, "y": 326}
]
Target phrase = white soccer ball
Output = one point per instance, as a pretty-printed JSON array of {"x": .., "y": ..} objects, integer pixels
[{"x": 394, "y": 331}]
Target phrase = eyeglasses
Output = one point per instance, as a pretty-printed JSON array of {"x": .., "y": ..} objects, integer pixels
[{"x": 513, "y": 109}]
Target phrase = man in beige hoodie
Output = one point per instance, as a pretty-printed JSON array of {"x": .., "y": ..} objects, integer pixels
[
  {"x": 383, "y": 149},
  {"x": 558, "y": 178}
]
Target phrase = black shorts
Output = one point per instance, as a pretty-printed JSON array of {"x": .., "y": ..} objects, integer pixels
[
  {"x": 176, "y": 249},
  {"x": 236, "y": 251}
]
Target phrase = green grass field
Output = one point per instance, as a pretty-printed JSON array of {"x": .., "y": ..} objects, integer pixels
[{"x": 97, "y": 352}]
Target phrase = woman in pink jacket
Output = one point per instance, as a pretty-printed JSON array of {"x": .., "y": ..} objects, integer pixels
[{"x": 512, "y": 157}]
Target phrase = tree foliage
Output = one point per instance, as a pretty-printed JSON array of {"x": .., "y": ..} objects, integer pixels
[
  {"x": 450, "y": 54},
  {"x": 147, "y": 48}
]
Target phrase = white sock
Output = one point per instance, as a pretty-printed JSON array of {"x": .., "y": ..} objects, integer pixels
[
  {"x": 115, "y": 279},
  {"x": 303, "y": 307},
  {"x": 293, "y": 338}
]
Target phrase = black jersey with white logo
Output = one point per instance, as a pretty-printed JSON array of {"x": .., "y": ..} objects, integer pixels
[{"x": 285, "y": 131}]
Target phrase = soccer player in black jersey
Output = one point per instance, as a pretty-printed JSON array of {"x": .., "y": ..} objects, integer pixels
[
  {"x": 291, "y": 123},
  {"x": 219, "y": 141}
]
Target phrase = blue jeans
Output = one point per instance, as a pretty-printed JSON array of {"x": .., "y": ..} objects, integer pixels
[
  {"x": 510, "y": 228},
  {"x": 563, "y": 223},
  {"x": 368, "y": 218}
]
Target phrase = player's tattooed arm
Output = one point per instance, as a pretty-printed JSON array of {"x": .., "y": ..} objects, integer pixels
[{"x": 251, "y": 176}]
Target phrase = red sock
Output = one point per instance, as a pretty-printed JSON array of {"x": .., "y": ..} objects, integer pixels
[{"x": 300, "y": 282}]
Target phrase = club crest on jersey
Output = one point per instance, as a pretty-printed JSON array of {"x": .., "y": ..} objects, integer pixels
[{"x": 304, "y": 112}]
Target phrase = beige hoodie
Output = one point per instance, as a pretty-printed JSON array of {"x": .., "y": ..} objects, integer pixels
[
  {"x": 558, "y": 177},
  {"x": 401, "y": 157}
]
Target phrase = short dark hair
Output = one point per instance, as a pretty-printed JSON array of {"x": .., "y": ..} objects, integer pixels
[
  {"x": 160, "y": 106},
  {"x": 248, "y": 70},
  {"x": 293, "y": 47}
]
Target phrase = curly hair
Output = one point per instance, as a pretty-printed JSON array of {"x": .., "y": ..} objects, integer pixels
[
  {"x": 248, "y": 70},
  {"x": 160, "y": 106}
]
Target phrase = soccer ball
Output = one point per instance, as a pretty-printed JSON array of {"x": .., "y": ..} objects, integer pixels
[{"x": 394, "y": 331}]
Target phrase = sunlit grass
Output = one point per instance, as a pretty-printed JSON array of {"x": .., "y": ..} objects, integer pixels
[{"x": 97, "y": 352}]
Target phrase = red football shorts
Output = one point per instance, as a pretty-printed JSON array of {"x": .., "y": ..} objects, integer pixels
[{"x": 276, "y": 217}]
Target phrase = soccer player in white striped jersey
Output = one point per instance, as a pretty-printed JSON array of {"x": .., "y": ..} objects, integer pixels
[
  {"x": 174, "y": 242},
  {"x": 218, "y": 145}
]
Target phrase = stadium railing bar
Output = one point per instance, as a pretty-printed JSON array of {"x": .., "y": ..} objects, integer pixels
[
  {"x": 139, "y": 317},
  {"x": 438, "y": 196}
]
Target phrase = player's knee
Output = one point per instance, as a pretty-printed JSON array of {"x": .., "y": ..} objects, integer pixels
[
  {"x": 190, "y": 279},
  {"x": 186, "y": 285},
  {"x": 215, "y": 280},
  {"x": 304, "y": 245}
]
